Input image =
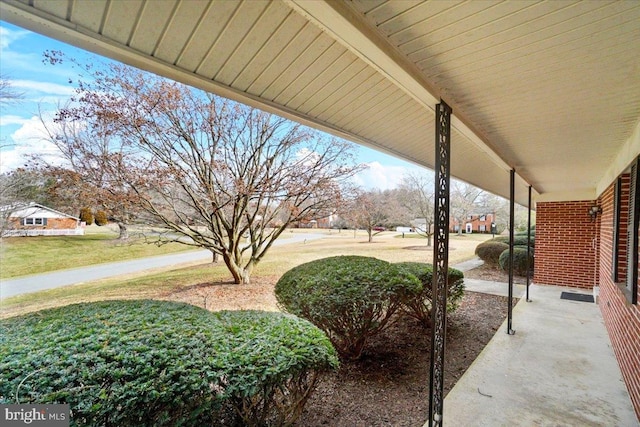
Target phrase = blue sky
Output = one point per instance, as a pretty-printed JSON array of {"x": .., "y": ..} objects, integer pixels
[{"x": 43, "y": 87}]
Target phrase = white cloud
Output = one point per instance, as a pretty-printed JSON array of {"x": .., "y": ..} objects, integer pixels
[
  {"x": 27, "y": 59},
  {"x": 28, "y": 140},
  {"x": 382, "y": 177},
  {"x": 11, "y": 119},
  {"x": 13, "y": 61},
  {"x": 8, "y": 36},
  {"x": 43, "y": 87},
  {"x": 307, "y": 156}
]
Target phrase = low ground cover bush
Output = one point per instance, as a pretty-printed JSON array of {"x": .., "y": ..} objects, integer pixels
[
  {"x": 420, "y": 306},
  {"x": 519, "y": 260},
  {"x": 490, "y": 251},
  {"x": 158, "y": 363},
  {"x": 350, "y": 298}
]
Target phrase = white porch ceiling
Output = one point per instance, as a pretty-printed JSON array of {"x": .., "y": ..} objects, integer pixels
[{"x": 551, "y": 89}]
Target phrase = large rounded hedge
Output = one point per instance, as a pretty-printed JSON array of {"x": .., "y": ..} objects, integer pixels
[
  {"x": 349, "y": 297},
  {"x": 420, "y": 306},
  {"x": 145, "y": 363},
  {"x": 518, "y": 240},
  {"x": 519, "y": 260},
  {"x": 490, "y": 251}
]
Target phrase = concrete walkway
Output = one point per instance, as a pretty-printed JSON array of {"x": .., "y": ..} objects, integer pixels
[
  {"x": 557, "y": 370},
  {"x": 486, "y": 286}
]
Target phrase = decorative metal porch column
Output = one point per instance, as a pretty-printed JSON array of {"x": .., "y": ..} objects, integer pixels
[
  {"x": 440, "y": 262},
  {"x": 528, "y": 245},
  {"x": 512, "y": 174}
]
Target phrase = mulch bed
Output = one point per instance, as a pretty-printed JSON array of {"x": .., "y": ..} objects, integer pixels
[
  {"x": 485, "y": 272},
  {"x": 389, "y": 386}
]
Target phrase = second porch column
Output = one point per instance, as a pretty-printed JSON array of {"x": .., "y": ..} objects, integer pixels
[
  {"x": 440, "y": 262},
  {"x": 528, "y": 246},
  {"x": 512, "y": 187}
]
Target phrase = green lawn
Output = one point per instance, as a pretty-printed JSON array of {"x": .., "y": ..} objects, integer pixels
[
  {"x": 160, "y": 283},
  {"x": 21, "y": 256},
  {"x": 474, "y": 236}
]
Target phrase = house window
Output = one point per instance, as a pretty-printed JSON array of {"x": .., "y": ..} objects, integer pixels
[
  {"x": 483, "y": 228},
  {"x": 631, "y": 283},
  {"x": 483, "y": 218},
  {"x": 617, "y": 212},
  {"x": 35, "y": 221}
]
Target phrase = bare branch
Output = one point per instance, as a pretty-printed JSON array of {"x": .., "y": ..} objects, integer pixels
[{"x": 214, "y": 173}]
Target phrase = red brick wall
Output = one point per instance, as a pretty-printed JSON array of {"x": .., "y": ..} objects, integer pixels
[
  {"x": 566, "y": 245},
  {"x": 52, "y": 223},
  {"x": 475, "y": 223},
  {"x": 621, "y": 318}
]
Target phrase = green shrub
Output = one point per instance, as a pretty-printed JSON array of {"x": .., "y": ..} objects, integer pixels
[
  {"x": 490, "y": 251},
  {"x": 86, "y": 215},
  {"x": 101, "y": 218},
  {"x": 519, "y": 260},
  {"x": 350, "y": 298},
  {"x": 160, "y": 363},
  {"x": 518, "y": 240},
  {"x": 420, "y": 306},
  {"x": 272, "y": 364}
]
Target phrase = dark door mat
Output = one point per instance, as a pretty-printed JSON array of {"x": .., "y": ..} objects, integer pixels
[{"x": 576, "y": 297}]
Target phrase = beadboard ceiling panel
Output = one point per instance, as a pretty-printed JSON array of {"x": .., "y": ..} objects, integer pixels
[{"x": 551, "y": 89}]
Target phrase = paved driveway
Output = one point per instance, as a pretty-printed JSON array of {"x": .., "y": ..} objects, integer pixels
[{"x": 75, "y": 276}]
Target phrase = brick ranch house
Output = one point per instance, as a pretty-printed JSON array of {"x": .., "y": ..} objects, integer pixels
[
  {"x": 544, "y": 100},
  {"x": 38, "y": 220}
]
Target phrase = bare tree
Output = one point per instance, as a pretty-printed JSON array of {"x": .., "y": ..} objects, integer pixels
[
  {"x": 8, "y": 94},
  {"x": 465, "y": 198},
  {"x": 100, "y": 171},
  {"x": 500, "y": 207},
  {"x": 14, "y": 186},
  {"x": 216, "y": 174},
  {"x": 417, "y": 195},
  {"x": 15, "y": 191},
  {"x": 370, "y": 211}
]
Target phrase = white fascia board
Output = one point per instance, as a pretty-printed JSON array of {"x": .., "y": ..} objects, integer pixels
[
  {"x": 567, "y": 196},
  {"x": 627, "y": 154},
  {"x": 343, "y": 24},
  {"x": 41, "y": 22}
]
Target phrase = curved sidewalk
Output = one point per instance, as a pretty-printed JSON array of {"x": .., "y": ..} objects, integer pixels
[{"x": 557, "y": 370}]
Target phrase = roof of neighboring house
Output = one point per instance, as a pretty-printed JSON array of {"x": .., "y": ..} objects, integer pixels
[{"x": 22, "y": 210}]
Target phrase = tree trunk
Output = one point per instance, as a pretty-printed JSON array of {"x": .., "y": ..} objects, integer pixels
[
  {"x": 124, "y": 233},
  {"x": 429, "y": 240},
  {"x": 240, "y": 275},
  {"x": 214, "y": 257},
  {"x": 370, "y": 233}
]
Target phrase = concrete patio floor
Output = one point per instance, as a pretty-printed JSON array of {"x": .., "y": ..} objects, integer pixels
[{"x": 557, "y": 370}]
